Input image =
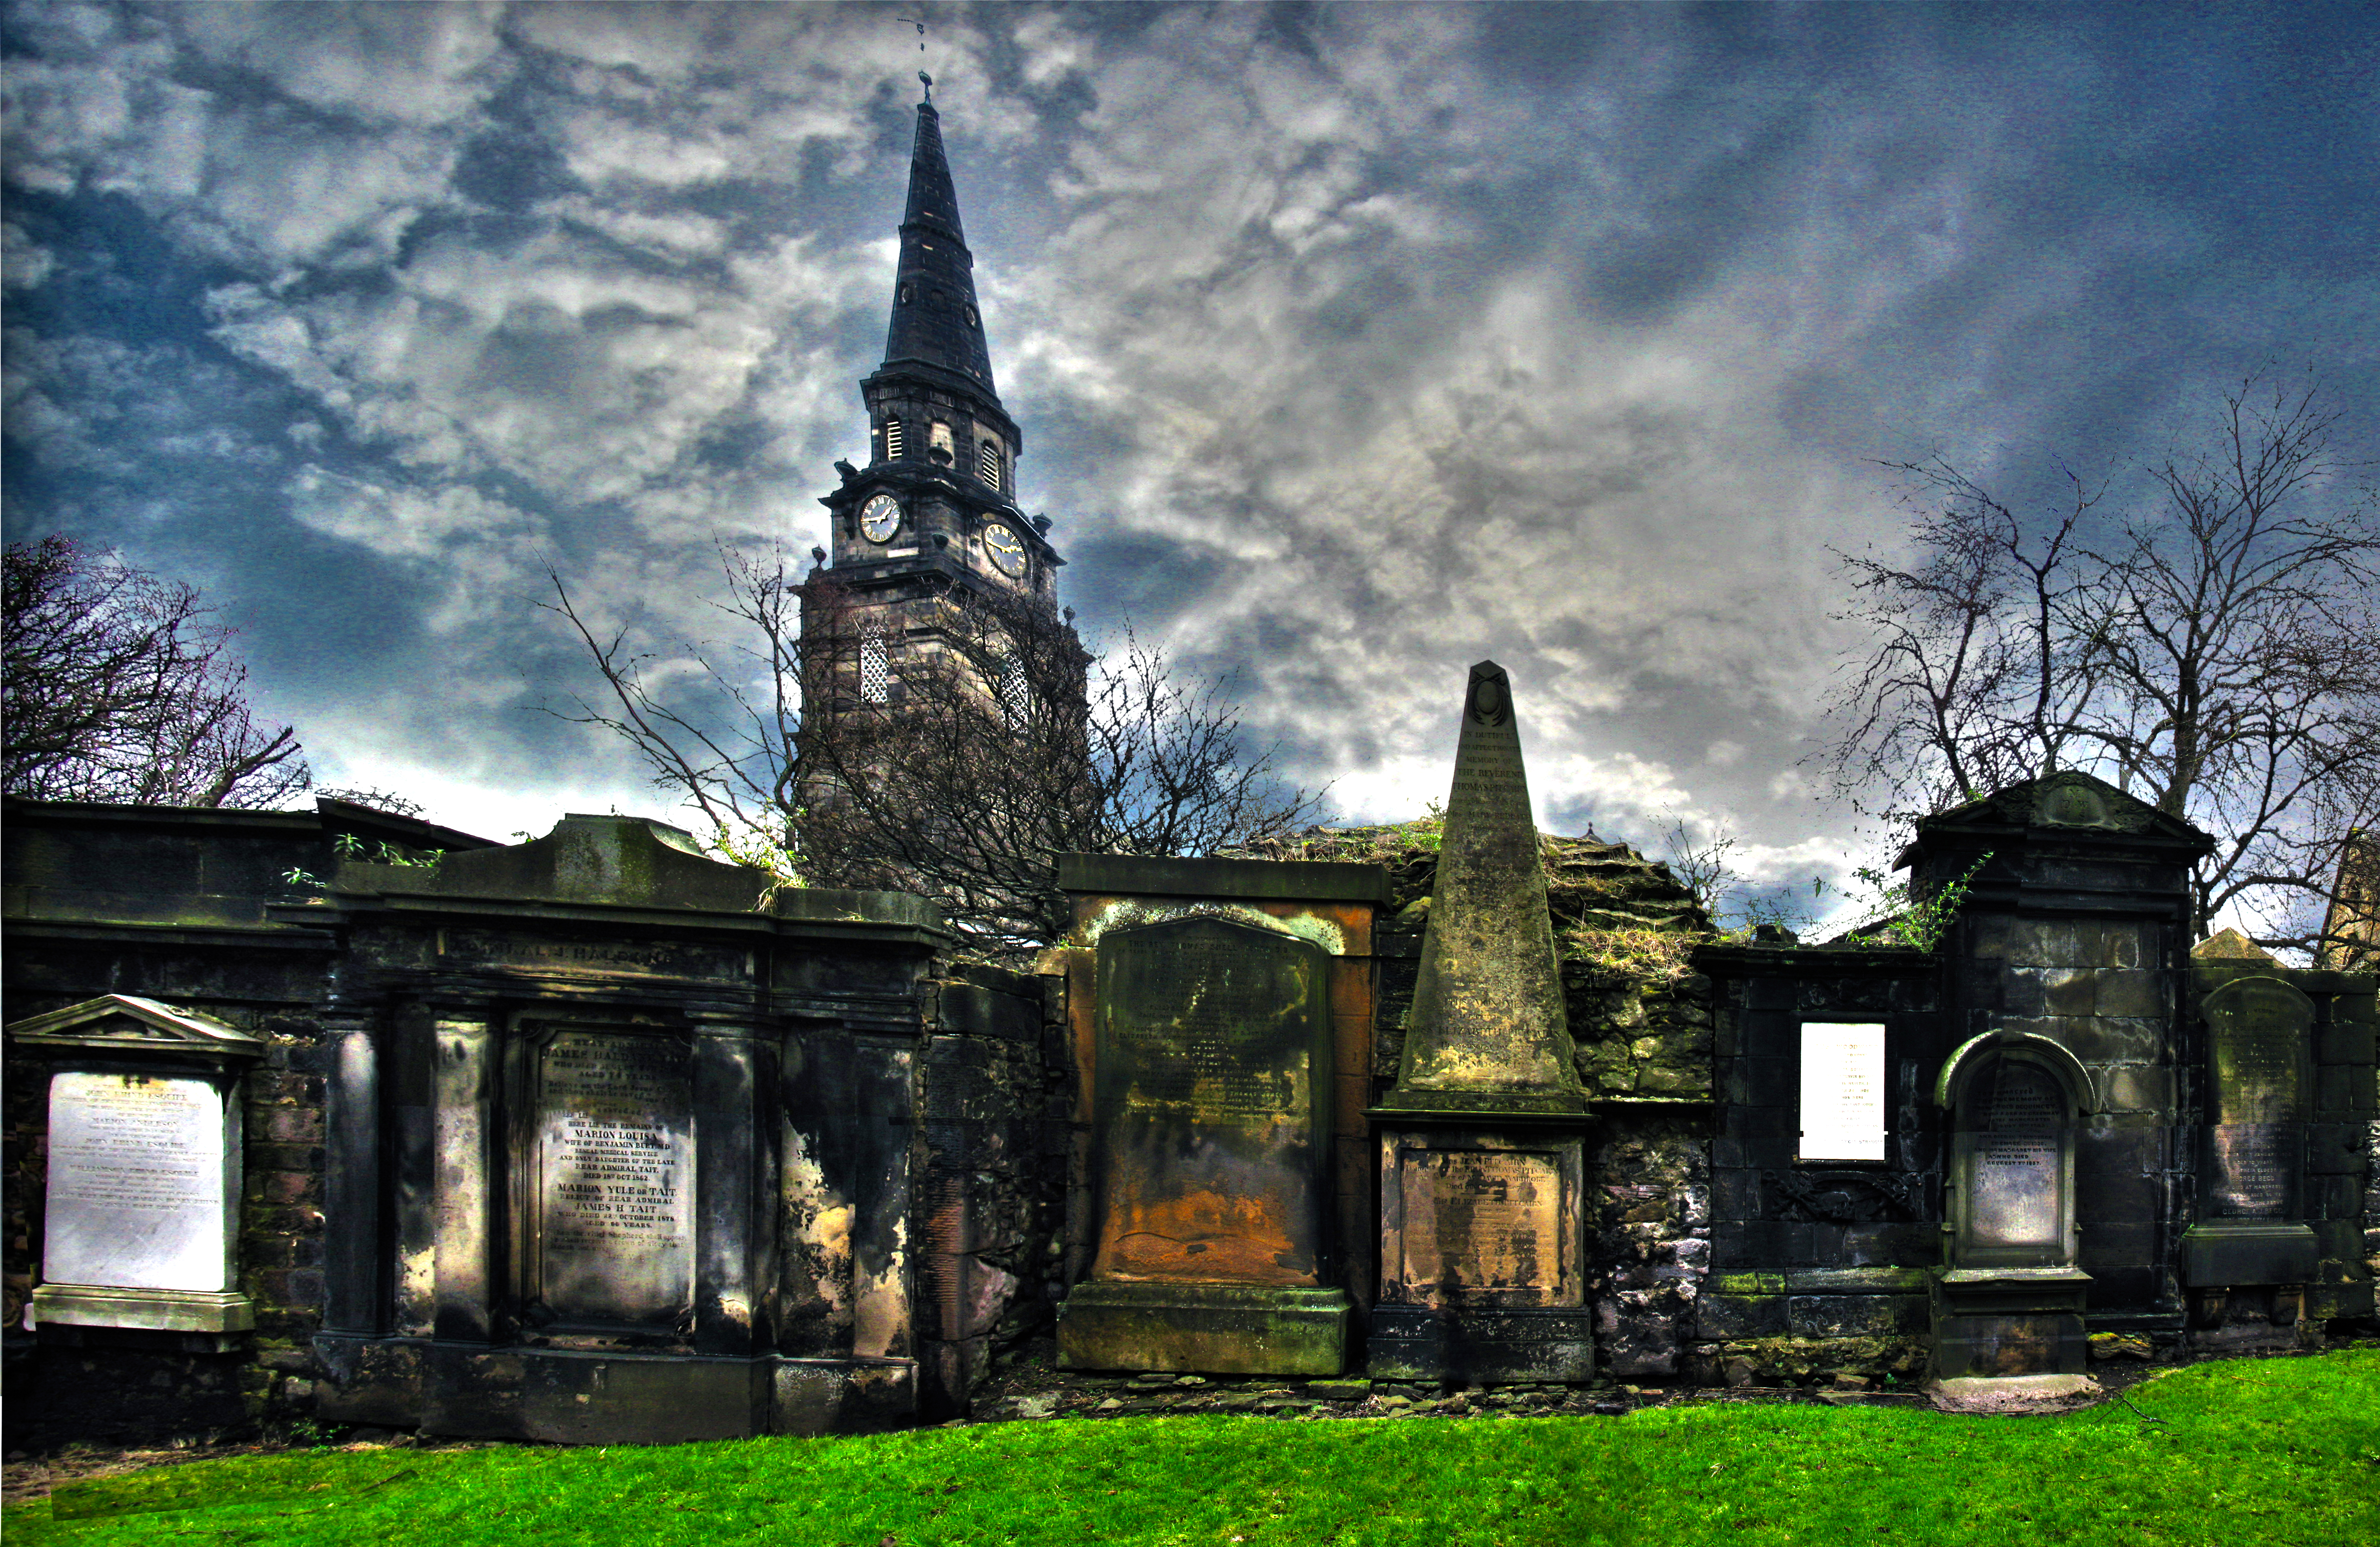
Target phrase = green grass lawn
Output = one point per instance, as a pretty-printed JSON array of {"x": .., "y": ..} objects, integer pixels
[{"x": 2247, "y": 1453}]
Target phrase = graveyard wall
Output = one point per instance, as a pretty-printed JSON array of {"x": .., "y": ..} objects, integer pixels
[
  {"x": 181, "y": 906},
  {"x": 171, "y": 904},
  {"x": 996, "y": 1133},
  {"x": 1816, "y": 1271}
]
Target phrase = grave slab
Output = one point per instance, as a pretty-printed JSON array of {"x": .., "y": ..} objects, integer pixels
[{"x": 1212, "y": 1199}]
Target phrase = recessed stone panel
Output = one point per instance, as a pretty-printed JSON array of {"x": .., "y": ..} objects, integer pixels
[
  {"x": 2014, "y": 1196},
  {"x": 1486, "y": 1222},
  {"x": 613, "y": 1190},
  {"x": 2259, "y": 1032}
]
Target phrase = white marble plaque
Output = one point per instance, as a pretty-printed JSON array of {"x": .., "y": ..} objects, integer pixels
[
  {"x": 140, "y": 1185},
  {"x": 1842, "y": 1091}
]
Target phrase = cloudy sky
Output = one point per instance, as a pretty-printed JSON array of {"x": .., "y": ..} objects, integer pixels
[{"x": 1352, "y": 344}]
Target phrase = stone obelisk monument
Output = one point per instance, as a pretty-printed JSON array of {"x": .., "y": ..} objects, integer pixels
[{"x": 1483, "y": 1140}]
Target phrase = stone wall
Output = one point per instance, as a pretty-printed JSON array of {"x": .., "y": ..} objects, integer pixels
[
  {"x": 997, "y": 1100},
  {"x": 1827, "y": 1281}
]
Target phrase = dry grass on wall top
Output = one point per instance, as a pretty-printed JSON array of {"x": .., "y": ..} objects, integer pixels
[
  {"x": 1624, "y": 925},
  {"x": 1611, "y": 906}
]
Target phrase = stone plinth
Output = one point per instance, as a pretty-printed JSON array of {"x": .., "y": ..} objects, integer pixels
[
  {"x": 1483, "y": 1276},
  {"x": 1482, "y": 1142}
]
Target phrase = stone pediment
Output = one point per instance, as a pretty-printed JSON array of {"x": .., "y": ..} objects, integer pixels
[
  {"x": 2067, "y": 802},
  {"x": 123, "y": 1023}
]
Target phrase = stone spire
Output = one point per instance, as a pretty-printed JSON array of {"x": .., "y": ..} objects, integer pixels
[
  {"x": 936, "y": 328},
  {"x": 1489, "y": 1031}
]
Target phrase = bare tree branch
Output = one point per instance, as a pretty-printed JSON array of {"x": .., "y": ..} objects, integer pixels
[
  {"x": 118, "y": 691},
  {"x": 1000, "y": 744}
]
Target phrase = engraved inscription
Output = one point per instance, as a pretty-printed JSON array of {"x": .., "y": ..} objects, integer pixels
[
  {"x": 2017, "y": 1191},
  {"x": 136, "y": 1188},
  {"x": 2259, "y": 1030},
  {"x": 1211, "y": 1058},
  {"x": 616, "y": 1176},
  {"x": 610, "y": 957},
  {"x": 1842, "y": 1091},
  {"x": 1214, "y": 1047},
  {"x": 1482, "y": 1221}
]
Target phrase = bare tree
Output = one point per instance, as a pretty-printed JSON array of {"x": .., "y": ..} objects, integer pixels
[
  {"x": 728, "y": 749},
  {"x": 119, "y": 690},
  {"x": 984, "y": 759},
  {"x": 2217, "y": 653}
]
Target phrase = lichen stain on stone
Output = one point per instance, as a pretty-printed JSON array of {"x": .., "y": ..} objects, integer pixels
[
  {"x": 881, "y": 1298},
  {"x": 417, "y": 1277},
  {"x": 1310, "y": 927},
  {"x": 818, "y": 1229}
]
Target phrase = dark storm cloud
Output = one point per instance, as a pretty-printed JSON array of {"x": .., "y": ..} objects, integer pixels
[{"x": 1351, "y": 344}]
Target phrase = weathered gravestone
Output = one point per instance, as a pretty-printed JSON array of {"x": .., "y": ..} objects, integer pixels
[
  {"x": 2259, "y": 1057},
  {"x": 2010, "y": 1301},
  {"x": 141, "y": 1210},
  {"x": 1219, "y": 994},
  {"x": 1482, "y": 1142}
]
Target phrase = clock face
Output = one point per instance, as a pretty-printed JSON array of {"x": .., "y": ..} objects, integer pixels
[
  {"x": 1007, "y": 549},
  {"x": 880, "y": 518}
]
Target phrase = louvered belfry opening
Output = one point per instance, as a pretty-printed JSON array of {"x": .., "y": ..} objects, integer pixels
[
  {"x": 875, "y": 667},
  {"x": 891, "y": 440},
  {"x": 986, "y": 463}
]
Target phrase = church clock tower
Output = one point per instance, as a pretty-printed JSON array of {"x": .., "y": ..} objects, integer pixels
[{"x": 932, "y": 519}]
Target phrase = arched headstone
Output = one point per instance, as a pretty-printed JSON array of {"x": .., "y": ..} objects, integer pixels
[{"x": 2259, "y": 1058}]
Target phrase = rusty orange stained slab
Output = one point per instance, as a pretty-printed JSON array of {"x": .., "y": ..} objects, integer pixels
[{"x": 1213, "y": 1066}]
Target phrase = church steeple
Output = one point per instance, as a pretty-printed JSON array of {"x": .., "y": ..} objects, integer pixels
[
  {"x": 936, "y": 500},
  {"x": 936, "y": 327}
]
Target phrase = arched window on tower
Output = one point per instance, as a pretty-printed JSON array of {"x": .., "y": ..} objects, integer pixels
[
  {"x": 875, "y": 666},
  {"x": 891, "y": 440},
  {"x": 986, "y": 462}
]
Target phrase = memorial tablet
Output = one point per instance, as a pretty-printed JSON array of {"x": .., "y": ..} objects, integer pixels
[
  {"x": 1214, "y": 1056},
  {"x": 2260, "y": 1031},
  {"x": 1485, "y": 1222},
  {"x": 1842, "y": 1091},
  {"x": 615, "y": 1185},
  {"x": 2016, "y": 1193},
  {"x": 142, "y": 1180}
]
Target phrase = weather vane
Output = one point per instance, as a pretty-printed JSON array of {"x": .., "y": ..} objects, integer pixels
[{"x": 920, "y": 26}]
